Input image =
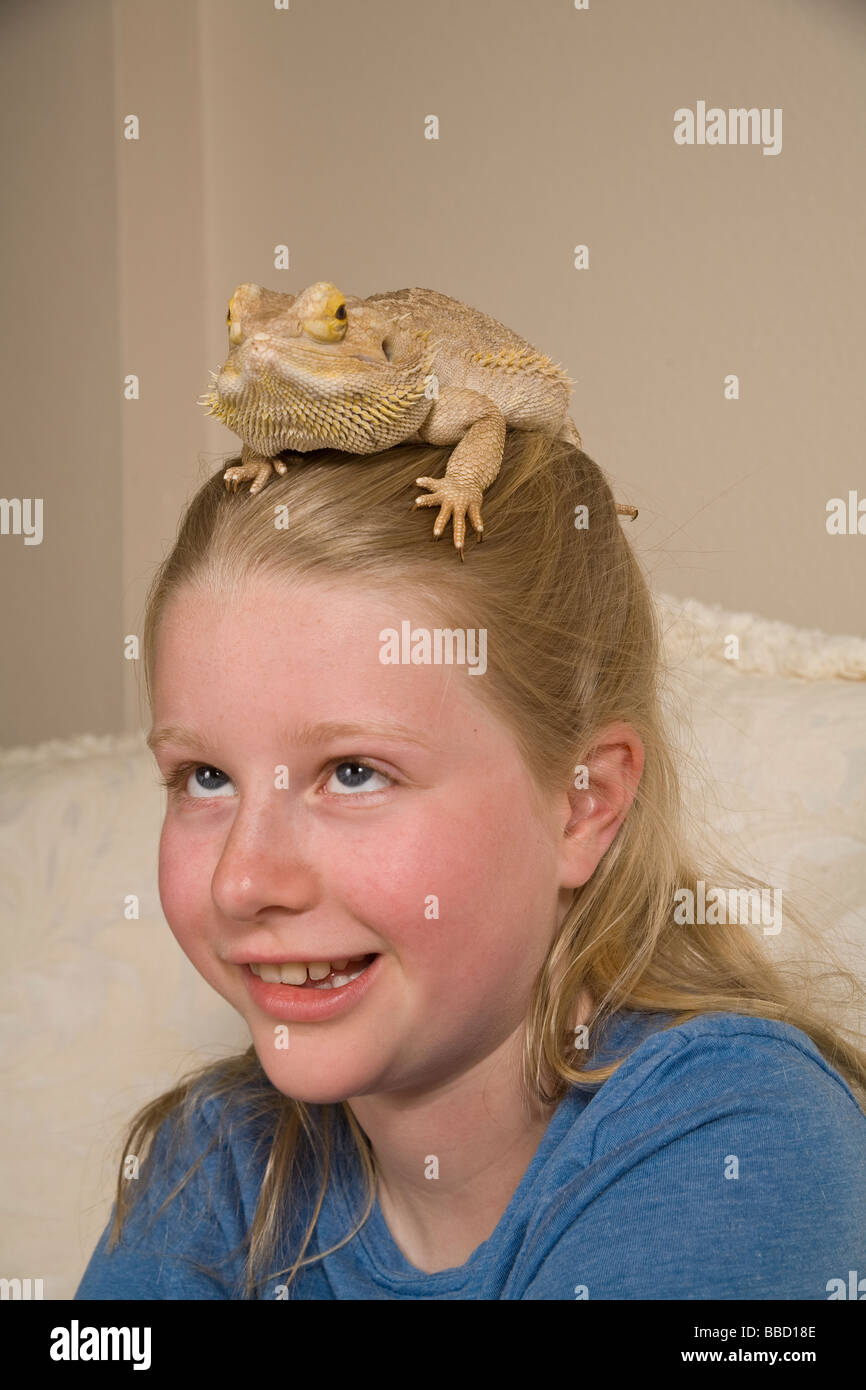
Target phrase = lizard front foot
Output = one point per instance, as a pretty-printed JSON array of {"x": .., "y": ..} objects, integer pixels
[
  {"x": 255, "y": 467},
  {"x": 453, "y": 497}
]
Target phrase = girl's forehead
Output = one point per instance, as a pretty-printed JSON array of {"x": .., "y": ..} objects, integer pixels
[{"x": 316, "y": 645}]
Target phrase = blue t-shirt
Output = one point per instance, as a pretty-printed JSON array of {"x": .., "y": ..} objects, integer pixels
[{"x": 725, "y": 1158}]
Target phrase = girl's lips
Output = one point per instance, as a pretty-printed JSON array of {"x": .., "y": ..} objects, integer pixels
[{"x": 301, "y": 1004}]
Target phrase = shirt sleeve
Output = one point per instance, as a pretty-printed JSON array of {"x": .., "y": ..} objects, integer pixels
[
  {"x": 734, "y": 1169},
  {"x": 183, "y": 1251}
]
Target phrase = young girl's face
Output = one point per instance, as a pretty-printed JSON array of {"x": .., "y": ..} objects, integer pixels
[{"x": 433, "y": 854}]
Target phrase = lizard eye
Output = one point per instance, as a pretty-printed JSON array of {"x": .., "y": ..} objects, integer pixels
[{"x": 340, "y": 312}]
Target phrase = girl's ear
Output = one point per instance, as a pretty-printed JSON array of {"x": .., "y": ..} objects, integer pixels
[{"x": 594, "y": 813}]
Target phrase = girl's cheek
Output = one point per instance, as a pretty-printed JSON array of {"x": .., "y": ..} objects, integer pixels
[
  {"x": 419, "y": 885},
  {"x": 179, "y": 887}
]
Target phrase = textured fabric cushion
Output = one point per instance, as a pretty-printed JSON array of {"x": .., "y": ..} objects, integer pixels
[
  {"x": 101, "y": 1012},
  {"x": 775, "y": 765}
]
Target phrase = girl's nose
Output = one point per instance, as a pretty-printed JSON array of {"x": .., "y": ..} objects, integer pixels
[{"x": 265, "y": 863}]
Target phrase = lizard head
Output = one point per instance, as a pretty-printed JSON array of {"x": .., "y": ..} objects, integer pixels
[{"x": 314, "y": 369}]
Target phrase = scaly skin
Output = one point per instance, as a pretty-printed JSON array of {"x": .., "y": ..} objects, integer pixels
[{"x": 326, "y": 370}]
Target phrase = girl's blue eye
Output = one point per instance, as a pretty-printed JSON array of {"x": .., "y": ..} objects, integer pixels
[
  {"x": 356, "y": 776},
  {"x": 207, "y": 780}
]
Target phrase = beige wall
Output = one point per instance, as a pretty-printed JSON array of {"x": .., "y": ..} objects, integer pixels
[{"x": 306, "y": 127}]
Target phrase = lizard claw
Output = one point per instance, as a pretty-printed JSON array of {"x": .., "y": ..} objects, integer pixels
[
  {"x": 259, "y": 472},
  {"x": 454, "y": 501}
]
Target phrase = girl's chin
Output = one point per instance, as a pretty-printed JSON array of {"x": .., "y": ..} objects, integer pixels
[
  {"x": 299, "y": 1081},
  {"x": 310, "y": 1096}
]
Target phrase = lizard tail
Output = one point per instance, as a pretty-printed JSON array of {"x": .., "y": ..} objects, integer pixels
[{"x": 570, "y": 433}]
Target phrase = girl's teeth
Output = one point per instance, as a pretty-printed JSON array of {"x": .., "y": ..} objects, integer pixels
[
  {"x": 339, "y": 980},
  {"x": 323, "y": 974},
  {"x": 290, "y": 973},
  {"x": 319, "y": 969}
]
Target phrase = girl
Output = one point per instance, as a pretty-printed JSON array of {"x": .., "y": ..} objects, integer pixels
[{"x": 510, "y": 1072}]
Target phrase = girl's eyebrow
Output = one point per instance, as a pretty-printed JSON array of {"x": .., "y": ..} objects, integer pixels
[{"x": 304, "y": 736}]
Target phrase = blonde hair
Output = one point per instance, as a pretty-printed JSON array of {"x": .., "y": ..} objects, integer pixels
[{"x": 573, "y": 645}]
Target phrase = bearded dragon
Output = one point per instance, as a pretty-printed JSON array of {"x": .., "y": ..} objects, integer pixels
[{"x": 323, "y": 369}]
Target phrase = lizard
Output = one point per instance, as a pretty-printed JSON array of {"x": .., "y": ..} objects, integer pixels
[{"x": 323, "y": 369}]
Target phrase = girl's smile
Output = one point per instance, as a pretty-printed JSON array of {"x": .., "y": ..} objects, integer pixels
[{"x": 309, "y": 1002}]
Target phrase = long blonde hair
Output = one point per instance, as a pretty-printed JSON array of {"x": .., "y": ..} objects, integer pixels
[{"x": 573, "y": 646}]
